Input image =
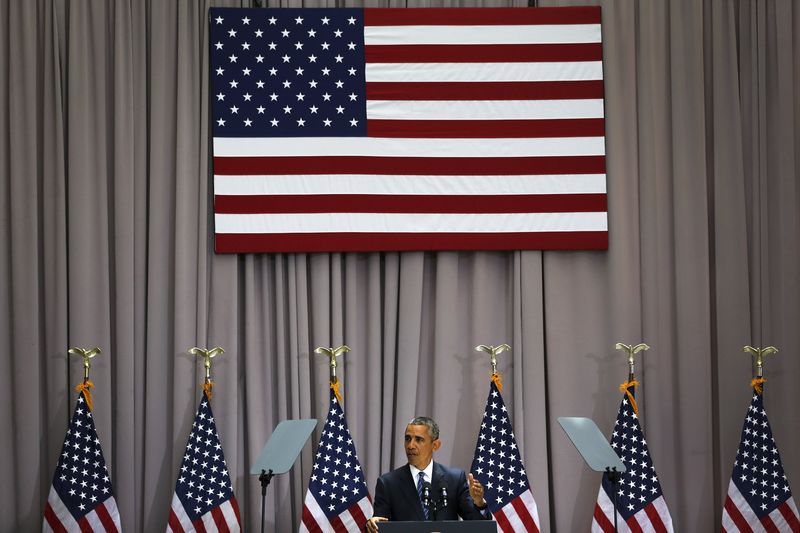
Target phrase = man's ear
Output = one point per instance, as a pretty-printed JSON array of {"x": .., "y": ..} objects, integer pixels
[{"x": 436, "y": 444}]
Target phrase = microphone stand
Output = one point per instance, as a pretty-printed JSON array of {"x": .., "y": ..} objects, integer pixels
[
  {"x": 264, "y": 478},
  {"x": 614, "y": 476},
  {"x": 426, "y": 500}
]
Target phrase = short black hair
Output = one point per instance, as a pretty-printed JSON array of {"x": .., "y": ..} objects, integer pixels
[{"x": 430, "y": 423}]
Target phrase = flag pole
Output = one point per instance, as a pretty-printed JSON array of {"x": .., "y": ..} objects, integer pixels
[
  {"x": 86, "y": 385},
  {"x": 759, "y": 353},
  {"x": 493, "y": 352},
  {"x": 630, "y": 350},
  {"x": 332, "y": 354},
  {"x": 207, "y": 356}
]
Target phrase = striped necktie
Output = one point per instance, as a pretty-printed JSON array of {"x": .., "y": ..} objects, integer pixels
[{"x": 420, "y": 486}]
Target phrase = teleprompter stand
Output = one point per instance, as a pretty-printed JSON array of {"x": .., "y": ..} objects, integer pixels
[
  {"x": 595, "y": 450},
  {"x": 280, "y": 452}
]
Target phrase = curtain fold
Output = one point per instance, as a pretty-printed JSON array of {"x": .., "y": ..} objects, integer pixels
[{"x": 105, "y": 240}]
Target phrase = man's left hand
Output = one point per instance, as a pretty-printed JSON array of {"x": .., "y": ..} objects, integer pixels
[{"x": 476, "y": 491}]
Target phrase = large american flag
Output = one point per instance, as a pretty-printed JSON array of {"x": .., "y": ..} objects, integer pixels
[
  {"x": 497, "y": 464},
  {"x": 81, "y": 498},
  {"x": 203, "y": 500},
  {"x": 759, "y": 497},
  {"x": 337, "y": 498},
  {"x": 640, "y": 503},
  {"x": 408, "y": 129}
]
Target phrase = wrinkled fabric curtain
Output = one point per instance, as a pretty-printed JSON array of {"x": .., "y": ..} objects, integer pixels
[{"x": 106, "y": 240}]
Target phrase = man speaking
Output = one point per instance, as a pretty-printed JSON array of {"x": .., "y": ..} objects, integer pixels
[{"x": 424, "y": 489}]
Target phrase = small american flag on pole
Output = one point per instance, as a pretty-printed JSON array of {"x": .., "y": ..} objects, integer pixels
[
  {"x": 81, "y": 498},
  {"x": 337, "y": 498},
  {"x": 408, "y": 129},
  {"x": 640, "y": 503},
  {"x": 497, "y": 464},
  {"x": 203, "y": 499},
  {"x": 759, "y": 497}
]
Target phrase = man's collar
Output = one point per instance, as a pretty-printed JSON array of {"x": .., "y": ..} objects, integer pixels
[{"x": 428, "y": 471}]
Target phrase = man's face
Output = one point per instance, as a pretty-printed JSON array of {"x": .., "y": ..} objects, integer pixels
[{"x": 420, "y": 446}]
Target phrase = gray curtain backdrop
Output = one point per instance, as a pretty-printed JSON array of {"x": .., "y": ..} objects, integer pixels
[{"x": 105, "y": 240}]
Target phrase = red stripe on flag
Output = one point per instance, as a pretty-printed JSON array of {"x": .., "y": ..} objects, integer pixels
[
  {"x": 503, "y": 522},
  {"x": 308, "y": 519},
  {"x": 602, "y": 520},
  {"x": 487, "y": 129},
  {"x": 52, "y": 520},
  {"x": 467, "y": 90},
  {"x": 235, "y": 506},
  {"x": 423, "y": 166},
  {"x": 789, "y": 516},
  {"x": 337, "y": 525},
  {"x": 358, "y": 515},
  {"x": 198, "y": 526},
  {"x": 105, "y": 518},
  {"x": 409, "y": 203},
  {"x": 83, "y": 523},
  {"x": 768, "y": 524},
  {"x": 485, "y": 53},
  {"x": 175, "y": 523},
  {"x": 481, "y": 16},
  {"x": 524, "y": 515},
  {"x": 655, "y": 518},
  {"x": 370, "y": 242},
  {"x": 219, "y": 520},
  {"x": 633, "y": 525},
  {"x": 736, "y": 516}
]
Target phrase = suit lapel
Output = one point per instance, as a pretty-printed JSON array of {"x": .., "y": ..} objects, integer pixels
[{"x": 408, "y": 488}]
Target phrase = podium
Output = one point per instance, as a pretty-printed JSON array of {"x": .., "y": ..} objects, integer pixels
[{"x": 444, "y": 526}]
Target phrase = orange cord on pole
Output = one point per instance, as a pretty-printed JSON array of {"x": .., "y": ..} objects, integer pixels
[
  {"x": 85, "y": 387},
  {"x": 624, "y": 387},
  {"x": 758, "y": 384}
]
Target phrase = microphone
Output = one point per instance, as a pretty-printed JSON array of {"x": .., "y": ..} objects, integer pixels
[
  {"x": 426, "y": 495},
  {"x": 443, "y": 496}
]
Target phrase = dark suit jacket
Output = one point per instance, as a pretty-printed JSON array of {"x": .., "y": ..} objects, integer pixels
[{"x": 396, "y": 495}]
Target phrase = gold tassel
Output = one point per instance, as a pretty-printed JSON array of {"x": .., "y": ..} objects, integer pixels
[
  {"x": 498, "y": 382},
  {"x": 758, "y": 384},
  {"x": 335, "y": 389},
  {"x": 624, "y": 388},
  {"x": 84, "y": 388},
  {"x": 207, "y": 386}
]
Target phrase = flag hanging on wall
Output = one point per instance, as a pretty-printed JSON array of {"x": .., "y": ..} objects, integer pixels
[
  {"x": 203, "y": 498},
  {"x": 497, "y": 464},
  {"x": 640, "y": 503},
  {"x": 337, "y": 499},
  {"x": 407, "y": 129},
  {"x": 81, "y": 498},
  {"x": 759, "y": 497}
]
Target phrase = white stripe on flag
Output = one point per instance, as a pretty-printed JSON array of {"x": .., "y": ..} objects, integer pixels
[
  {"x": 366, "y": 507},
  {"x": 401, "y": 147},
  {"x": 180, "y": 513},
  {"x": 410, "y": 222},
  {"x": 744, "y": 508},
  {"x": 348, "y": 520},
  {"x": 484, "y": 72},
  {"x": 413, "y": 185},
  {"x": 209, "y": 523},
  {"x": 779, "y": 521},
  {"x": 316, "y": 512},
  {"x": 530, "y": 504},
  {"x": 230, "y": 516},
  {"x": 607, "y": 506},
  {"x": 514, "y": 519},
  {"x": 643, "y": 519},
  {"x": 500, "y": 34},
  {"x": 60, "y": 510},
  {"x": 484, "y": 109}
]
